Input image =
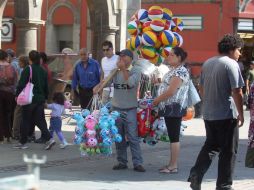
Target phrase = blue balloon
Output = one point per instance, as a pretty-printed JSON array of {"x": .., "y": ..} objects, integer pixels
[
  {"x": 111, "y": 121},
  {"x": 85, "y": 112},
  {"x": 107, "y": 142},
  {"x": 118, "y": 138},
  {"x": 104, "y": 124},
  {"x": 115, "y": 114},
  {"x": 104, "y": 133},
  {"x": 104, "y": 111},
  {"x": 114, "y": 130}
]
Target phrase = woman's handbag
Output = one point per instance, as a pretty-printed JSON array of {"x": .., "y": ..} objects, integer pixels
[
  {"x": 193, "y": 96},
  {"x": 26, "y": 95}
]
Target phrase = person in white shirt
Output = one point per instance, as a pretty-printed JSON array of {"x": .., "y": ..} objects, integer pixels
[{"x": 108, "y": 63}]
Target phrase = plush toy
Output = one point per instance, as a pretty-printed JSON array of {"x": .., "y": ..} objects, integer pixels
[{"x": 159, "y": 127}]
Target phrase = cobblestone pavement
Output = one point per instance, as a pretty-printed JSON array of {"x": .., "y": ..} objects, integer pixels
[{"x": 65, "y": 169}]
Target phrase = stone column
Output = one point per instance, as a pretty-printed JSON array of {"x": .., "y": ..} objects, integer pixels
[
  {"x": 128, "y": 8},
  {"x": 27, "y": 35},
  {"x": 2, "y": 6},
  {"x": 27, "y": 19}
]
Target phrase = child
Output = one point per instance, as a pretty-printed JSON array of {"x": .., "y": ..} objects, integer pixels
[{"x": 58, "y": 109}]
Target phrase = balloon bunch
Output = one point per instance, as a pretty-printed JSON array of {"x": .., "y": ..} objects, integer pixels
[
  {"x": 108, "y": 130},
  {"x": 96, "y": 132},
  {"x": 154, "y": 33}
]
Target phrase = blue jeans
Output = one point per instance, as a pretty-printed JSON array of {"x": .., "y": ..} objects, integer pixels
[
  {"x": 128, "y": 128},
  {"x": 56, "y": 126}
]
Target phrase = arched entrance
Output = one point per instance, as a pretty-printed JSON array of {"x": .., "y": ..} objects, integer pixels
[{"x": 61, "y": 33}]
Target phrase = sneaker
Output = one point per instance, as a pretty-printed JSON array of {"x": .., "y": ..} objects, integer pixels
[
  {"x": 20, "y": 146},
  {"x": 49, "y": 144},
  {"x": 40, "y": 141},
  {"x": 195, "y": 185},
  {"x": 139, "y": 168},
  {"x": 63, "y": 146},
  {"x": 120, "y": 167}
]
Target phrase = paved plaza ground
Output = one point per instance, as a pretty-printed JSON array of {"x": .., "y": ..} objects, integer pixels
[{"x": 65, "y": 169}]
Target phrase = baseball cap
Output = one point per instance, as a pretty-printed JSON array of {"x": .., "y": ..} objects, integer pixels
[
  {"x": 10, "y": 52},
  {"x": 125, "y": 52}
]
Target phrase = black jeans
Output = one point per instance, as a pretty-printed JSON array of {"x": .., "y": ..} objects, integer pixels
[
  {"x": 7, "y": 106},
  {"x": 33, "y": 114},
  {"x": 221, "y": 136},
  {"x": 85, "y": 96}
]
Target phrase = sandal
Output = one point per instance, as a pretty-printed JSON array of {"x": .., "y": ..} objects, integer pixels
[
  {"x": 166, "y": 170},
  {"x": 163, "y": 167}
]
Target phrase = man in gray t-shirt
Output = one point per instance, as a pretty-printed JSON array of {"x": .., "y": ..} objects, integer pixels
[
  {"x": 220, "y": 75},
  {"x": 126, "y": 82},
  {"x": 221, "y": 89}
]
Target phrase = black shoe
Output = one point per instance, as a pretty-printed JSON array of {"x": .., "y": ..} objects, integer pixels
[
  {"x": 15, "y": 138},
  {"x": 40, "y": 141},
  {"x": 31, "y": 139},
  {"x": 195, "y": 184},
  {"x": 139, "y": 168},
  {"x": 120, "y": 167}
]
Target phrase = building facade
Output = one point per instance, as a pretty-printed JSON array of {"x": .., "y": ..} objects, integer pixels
[{"x": 86, "y": 23}]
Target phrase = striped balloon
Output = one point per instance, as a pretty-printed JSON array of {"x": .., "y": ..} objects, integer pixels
[
  {"x": 157, "y": 25},
  {"x": 149, "y": 38},
  {"x": 167, "y": 14},
  {"x": 135, "y": 41},
  {"x": 158, "y": 43},
  {"x": 146, "y": 26},
  {"x": 142, "y": 15},
  {"x": 157, "y": 60},
  {"x": 179, "y": 40},
  {"x": 164, "y": 51},
  {"x": 176, "y": 25},
  {"x": 133, "y": 27},
  {"x": 148, "y": 52},
  {"x": 155, "y": 12},
  {"x": 167, "y": 37},
  {"x": 128, "y": 44},
  {"x": 167, "y": 25}
]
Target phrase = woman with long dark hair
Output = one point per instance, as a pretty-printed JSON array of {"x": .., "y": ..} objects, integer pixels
[
  {"x": 33, "y": 114},
  {"x": 171, "y": 100}
]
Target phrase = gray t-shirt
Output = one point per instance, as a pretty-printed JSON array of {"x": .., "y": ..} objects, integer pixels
[
  {"x": 219, "y": 76},
  {"x": 125, "y": 92}
]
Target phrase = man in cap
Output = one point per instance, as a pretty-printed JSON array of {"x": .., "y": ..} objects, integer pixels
[{"x": 126, "y": 82}]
